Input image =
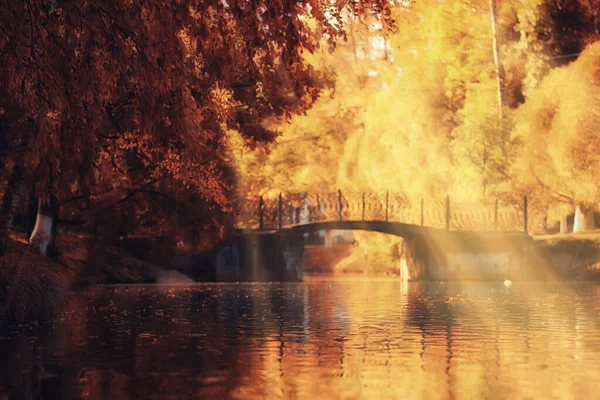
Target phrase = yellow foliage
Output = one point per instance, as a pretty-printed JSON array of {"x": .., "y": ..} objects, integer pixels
[
  {"x": 415, "y": 112},
  {"x": 560, "y": 123}
]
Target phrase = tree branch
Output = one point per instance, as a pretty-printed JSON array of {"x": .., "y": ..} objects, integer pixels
[
  {"x": 129, "y": 196},
  {"x": 560, "y": 197}
]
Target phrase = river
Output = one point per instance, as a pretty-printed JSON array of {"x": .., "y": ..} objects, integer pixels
[{"x": 326, "y": 338}]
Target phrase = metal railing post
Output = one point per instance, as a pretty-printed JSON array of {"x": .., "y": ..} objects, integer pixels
[
  {"x": 280, "y": 212},
  {"x": 387, "y": 202},
  {"x": 363, "y": 206},
  {"x": 261, "y": 224}
]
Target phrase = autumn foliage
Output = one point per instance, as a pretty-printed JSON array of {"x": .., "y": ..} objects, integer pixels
[
  {"x": 159, "y": 114},
  {"x": 121, "y": 101},
  {"x": 416, "y": 111}
]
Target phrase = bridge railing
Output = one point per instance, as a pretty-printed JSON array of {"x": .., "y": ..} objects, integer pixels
[{"x": 301, "y": 208}]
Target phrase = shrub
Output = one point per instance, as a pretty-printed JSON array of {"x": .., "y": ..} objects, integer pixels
[{"x": 29, "y": 292}]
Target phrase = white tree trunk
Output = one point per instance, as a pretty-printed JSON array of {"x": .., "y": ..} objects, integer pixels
[
  {"x": 42, "y": 231},
  {"x": 497, "y": 60},
  {"x": 584, "y": 219},
  {"x": 578, "y": 222}
]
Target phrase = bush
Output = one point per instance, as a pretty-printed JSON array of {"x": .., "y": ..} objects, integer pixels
[{"x": 29, "y": 292}]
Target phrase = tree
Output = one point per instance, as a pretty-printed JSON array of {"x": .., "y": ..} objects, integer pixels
[
  {"x": 154, "y": 83},
  {"x": 566, "y": 27},
  {"x": 559, "y": 125}
]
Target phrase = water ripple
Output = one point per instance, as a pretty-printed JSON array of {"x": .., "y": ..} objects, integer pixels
[{"x": 325, "y": 338}]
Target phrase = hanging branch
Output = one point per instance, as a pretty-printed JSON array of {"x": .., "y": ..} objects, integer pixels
[{"x": 563, "y": 198}]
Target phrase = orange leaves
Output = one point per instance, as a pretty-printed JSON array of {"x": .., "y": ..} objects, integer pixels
[{"x": 129, "y": 89}]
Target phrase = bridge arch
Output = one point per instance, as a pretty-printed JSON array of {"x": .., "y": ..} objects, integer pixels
[{"x": 407, "y": 231}]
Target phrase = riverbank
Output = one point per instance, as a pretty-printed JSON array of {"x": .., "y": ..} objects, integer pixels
[
  {"x": 33, "y": 288},
  {"x": 568, "y": 256},
  {"x": 574, "y": 256}
]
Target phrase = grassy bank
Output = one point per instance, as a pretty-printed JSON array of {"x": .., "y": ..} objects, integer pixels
[
  {"x": 32, "y": 287},
  {"x": 572, "y": 255},
  {"x": 35, "y": 288}
]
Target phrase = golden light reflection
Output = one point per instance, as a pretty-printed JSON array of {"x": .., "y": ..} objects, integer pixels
[
  {"x": 471, "y": 343},
  {"x": 415, "y": 113},
  {"x": 325, "y": 338}
]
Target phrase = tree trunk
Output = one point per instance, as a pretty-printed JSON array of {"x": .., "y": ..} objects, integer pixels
[
  {"x": 499, "y": 83},
  {"x": 5, "y": 143},
  {"x": 497, "y": 60},
  {"x": 52, "y": 250},
  {"x": 30, "y": 212},
  {"x": 563, "y": 224},
  {"x": 43, "y": 232},
  {"x": 353, "y": 40},
  {"x": 10, "y": 202},
  {"x": 584, "y": 219},
  {"x": 589, "y": 218},
  {"x": 578, "y": 223}
]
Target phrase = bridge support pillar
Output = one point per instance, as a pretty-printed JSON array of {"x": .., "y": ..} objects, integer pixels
[
  {"x": 328, "y": 239},
  {"x": 410, "y": 265},
  {"x": 261, "y": 256},
  {"x": 428, "y": 260}
]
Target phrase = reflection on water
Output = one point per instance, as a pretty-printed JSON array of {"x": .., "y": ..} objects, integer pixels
[{"x": 324, "y": 338}]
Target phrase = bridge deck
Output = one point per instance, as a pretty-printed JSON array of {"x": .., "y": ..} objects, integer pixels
[{"x": 433, "y": 237}]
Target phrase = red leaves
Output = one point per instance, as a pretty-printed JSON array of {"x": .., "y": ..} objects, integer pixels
[{"x": 110, "y": 83}]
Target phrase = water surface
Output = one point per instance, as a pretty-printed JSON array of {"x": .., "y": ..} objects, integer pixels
[{"x": 326, "y": 338}]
